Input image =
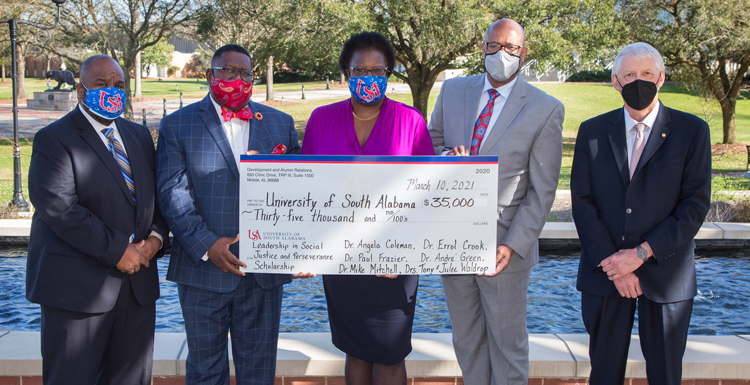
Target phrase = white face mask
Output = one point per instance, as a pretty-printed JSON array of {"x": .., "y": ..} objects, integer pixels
[{"x": 501, "y": 65}]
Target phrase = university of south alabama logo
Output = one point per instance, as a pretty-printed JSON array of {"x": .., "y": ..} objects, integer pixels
[
  {"x": 368, "y": 94},
  {"x": 106, "y": 102},
  {"x": 109, "y": 103},
  {"x": 253, "y": 235}
]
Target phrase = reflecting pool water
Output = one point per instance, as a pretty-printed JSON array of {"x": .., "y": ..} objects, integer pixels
[{"x": 721, "y": 307}]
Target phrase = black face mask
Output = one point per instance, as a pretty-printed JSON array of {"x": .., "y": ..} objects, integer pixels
[{"x": 638, "y": 94}]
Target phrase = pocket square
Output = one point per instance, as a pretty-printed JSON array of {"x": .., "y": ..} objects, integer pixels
[{"x": 280, "y": 149}]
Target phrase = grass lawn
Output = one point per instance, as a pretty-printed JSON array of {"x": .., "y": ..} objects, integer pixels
[
  {"x": 582, "y": 101},
  {"x": 6, "y": 170}
]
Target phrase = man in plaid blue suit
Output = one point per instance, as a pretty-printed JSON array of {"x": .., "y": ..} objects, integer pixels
[{"x": 198, "y": 189}]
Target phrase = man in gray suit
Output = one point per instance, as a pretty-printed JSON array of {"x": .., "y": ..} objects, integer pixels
[{"x": 498, "y": 113}]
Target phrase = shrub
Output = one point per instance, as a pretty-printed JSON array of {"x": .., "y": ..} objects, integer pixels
[
  {"x": 293, "y": 77},
  {"x": 197, "y": 66},
  {"x": 604, "y": 76},
  {"x": 742, "y": 211},
  {"x": 729, "y": 208},
  {"x": 172, "y": 70}
]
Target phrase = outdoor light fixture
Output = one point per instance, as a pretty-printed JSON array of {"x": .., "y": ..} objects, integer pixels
[{"x": 18, "y": 199}]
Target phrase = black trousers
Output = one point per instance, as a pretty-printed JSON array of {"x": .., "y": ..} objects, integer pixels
[
  {"x": 115, "y": 347},
  {"x": 662, "y": 327}
]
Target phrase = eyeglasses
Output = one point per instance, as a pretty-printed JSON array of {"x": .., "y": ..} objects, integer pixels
[
  {"x": 231, "y": 73},
  {"x": 492, "y": 47},
  {"x": 358, "y": 71}
]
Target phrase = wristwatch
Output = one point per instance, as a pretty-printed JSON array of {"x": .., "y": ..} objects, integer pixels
[{"x": 641, "y": 252}]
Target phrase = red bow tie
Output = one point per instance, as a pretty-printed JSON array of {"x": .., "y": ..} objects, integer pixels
[{"x": 243, "y": 114}]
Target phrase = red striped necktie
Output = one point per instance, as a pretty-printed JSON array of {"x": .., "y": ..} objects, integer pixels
[{"x": 480, "y": 127}]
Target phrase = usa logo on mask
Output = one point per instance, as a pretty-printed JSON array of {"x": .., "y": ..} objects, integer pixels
[
  {"x": 368, "y": 94},
  {"x": 107, "y": 102},
  {"x": 110, "y": 103},
  {"x": 368, "y": 89}
]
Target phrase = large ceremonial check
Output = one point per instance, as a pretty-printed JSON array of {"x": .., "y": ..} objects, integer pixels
[{"x": 368, "y": 214}]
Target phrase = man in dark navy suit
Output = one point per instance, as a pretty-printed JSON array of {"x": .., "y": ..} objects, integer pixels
[
  {"x": 640, "y": 186},
  {"x": 94, "y": 233},
  {"x": 198, "y": 179}
]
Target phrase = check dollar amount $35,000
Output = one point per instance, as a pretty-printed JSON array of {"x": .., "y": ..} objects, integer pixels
[{"x": 368, "y": 214}]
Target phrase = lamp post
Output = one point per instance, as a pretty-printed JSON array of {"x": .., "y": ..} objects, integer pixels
[{"x": 18, "y": 199}]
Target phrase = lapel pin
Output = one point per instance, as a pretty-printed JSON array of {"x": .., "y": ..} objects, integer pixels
[{"x": 663, "y": 135}]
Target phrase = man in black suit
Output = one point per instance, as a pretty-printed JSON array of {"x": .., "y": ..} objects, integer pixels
[
  {"x": 93, "y": 236},
  {"x": 640, "y": 187}
]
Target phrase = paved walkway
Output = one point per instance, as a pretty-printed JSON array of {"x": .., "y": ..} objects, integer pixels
[{"x": 30, "y": 121}]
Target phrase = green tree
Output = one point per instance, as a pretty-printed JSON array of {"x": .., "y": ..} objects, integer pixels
[
  {"x": 428, "y": 36},
  {"x": 5, "y": 60},
  {"x": 30, "y": 10},
  {"x": 704, "y": 41},
  {"x": 301, "y": 35},
  {"x": 159, "y": 54},
  {"x": 197, "y": 65},
  {"x": 245, "y": 23},
  {"x": 310, "y": 34},
  {"x": 121, "y": 29},
  {"x": 240, "y": 22}
]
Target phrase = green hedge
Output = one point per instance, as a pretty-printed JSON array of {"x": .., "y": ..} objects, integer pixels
[{"x": 603, "y": 76}]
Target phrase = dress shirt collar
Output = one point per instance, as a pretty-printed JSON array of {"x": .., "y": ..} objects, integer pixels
[
  {"x": 97, "y": 126},
  {"x": 502, "y": 90},
  {"x": 648, "y": 121}
]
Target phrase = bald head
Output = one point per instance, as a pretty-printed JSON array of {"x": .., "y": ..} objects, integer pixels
[
  {"x": 99, "y": 71},
  {"x": 506, "y": 36},
  {"x": 506, "y": 27},
  {"x": 98, "y": 65}
]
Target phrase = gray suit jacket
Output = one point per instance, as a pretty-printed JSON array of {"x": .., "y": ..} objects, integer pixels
[{"x": 527, "y": 137}]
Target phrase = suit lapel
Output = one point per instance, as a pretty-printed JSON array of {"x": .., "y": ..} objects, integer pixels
[
  {"x": 618, "y": 141},
  {"x": 136, "y": 155},
  {"x": 514, "y": 104},
  {"x": 95, "y": 141},
  {"x": 255, "y": 126},
  {"x": 472, "y": 93},
  {"x": 658, "y": 135},
  {"x": 213, "y": 125}
]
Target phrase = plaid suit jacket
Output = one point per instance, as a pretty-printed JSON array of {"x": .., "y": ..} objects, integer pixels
[{"x": 198, "y": 188}]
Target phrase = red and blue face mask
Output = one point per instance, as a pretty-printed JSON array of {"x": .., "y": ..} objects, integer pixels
[
  {"x": 368, "y": 89},
  {"x": 108, "y": 102}
]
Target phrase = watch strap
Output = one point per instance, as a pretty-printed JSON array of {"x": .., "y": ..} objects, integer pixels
[{"x": 641, "y": 252}]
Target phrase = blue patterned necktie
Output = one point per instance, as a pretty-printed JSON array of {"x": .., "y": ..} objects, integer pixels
[{"x": 122, "y": 159}]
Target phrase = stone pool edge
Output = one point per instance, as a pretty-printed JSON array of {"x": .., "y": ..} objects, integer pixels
[
  {"x": 310, "y": 358},
  {"x": 555, "y": 235}
]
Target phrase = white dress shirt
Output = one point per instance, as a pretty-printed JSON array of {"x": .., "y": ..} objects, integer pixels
[
  {"x": 630, "y": 127},
  {"x": 238, "y": 134},
  {"x": 237, "y": 131},
  {"x": 504, "y": 93},
  {"x": 98, "y": 127}
]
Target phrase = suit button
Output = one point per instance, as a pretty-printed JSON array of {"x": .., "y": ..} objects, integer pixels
[
  {"x": 623, "y": 237},
  {"x": 628, "y": 211}
]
